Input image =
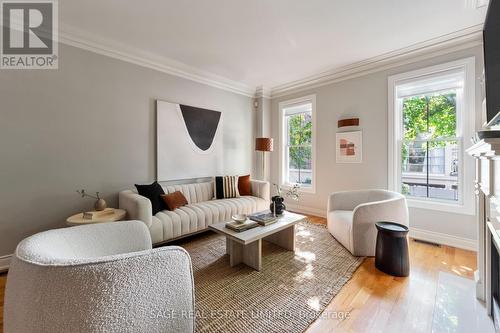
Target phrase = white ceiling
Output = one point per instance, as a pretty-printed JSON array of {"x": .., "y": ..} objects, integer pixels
[{"x": 266, "y": 42}]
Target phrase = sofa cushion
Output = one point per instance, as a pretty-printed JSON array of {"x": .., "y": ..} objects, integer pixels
[
  {"x": 196, "y": 192},
  {"x": 226, "y": 187},
  {"x": 198, "y": 216},
  {"x": 244, "y": 185},
  {"x": 174, "y": 200},
  {"x": 153, "y": 192}
]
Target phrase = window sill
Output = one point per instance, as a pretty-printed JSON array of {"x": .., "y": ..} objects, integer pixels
[
  {"x": 455, "y": 208},
  {"x": 308, "y": 190}
]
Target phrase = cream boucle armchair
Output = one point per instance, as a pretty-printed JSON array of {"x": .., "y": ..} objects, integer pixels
[
  {"x": 351, "y": 217},
  {"x": 98, "y": 278}
]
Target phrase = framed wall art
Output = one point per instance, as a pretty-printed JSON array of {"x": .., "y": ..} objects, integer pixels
[{"x": 349, "y": 147}]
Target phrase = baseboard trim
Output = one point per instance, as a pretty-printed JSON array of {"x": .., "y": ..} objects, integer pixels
[
  {"x": 444, "y": 239},
  {"x": 305, "y": 210},
  {"x": 425, "y": 235},
  {"x": 5, "y": 262}
]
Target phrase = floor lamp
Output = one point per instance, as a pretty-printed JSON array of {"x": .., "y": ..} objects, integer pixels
[{"x": 263, "y": 145}]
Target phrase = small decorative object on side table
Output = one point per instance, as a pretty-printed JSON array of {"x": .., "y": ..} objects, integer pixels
[
  {"x": 99, "y": 205},
  {"x": 110, "y": 215}
]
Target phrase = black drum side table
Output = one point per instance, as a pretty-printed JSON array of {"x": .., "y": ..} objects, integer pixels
[{"x": 391, "y": 253}]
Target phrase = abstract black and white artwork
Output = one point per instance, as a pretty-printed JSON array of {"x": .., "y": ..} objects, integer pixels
[{"x": 189, "y": 142}]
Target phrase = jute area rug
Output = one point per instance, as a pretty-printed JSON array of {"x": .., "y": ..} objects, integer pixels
[{"x": 287, "y": 295}]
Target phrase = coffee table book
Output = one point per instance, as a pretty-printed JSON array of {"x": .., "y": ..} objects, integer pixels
[
  {"x": 263, "y": 218},
  {"x": 239, "y": 227},
  {"x": 96, "y": 214}
]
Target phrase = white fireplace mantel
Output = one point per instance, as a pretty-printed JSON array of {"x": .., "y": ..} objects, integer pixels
[{"x": 487, "y": 189}]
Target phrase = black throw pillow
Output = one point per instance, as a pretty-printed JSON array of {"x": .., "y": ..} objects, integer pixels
[{"x": 153, "y": 192}]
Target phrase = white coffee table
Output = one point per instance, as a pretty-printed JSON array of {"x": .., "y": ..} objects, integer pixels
[{"x": 246, "y": 247}]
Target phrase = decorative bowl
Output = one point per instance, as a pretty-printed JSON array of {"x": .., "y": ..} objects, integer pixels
[{"x": 240, "y": 218}]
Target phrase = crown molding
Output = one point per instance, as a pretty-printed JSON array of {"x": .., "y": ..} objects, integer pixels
[
  {"x": 79, "y": 39},
  {"x": 459, "y": 40},
  {"x": 262, "y": 92}
]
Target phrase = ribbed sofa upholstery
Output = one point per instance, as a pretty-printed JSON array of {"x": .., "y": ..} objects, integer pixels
[{"x": 202, "y": 210}]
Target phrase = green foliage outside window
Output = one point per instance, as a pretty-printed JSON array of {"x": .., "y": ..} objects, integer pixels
[
  {"x": 299, "y": 140},
  {"x": 428, "y": 117},
  {"x": 441, "y": 111}
]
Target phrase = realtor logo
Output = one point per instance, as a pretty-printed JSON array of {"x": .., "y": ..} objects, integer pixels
[{"x": 29, "y": 35}]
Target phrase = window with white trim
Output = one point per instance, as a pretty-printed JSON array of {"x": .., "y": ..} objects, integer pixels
[
  {"x": 429, "y": 119},
  {"x": 297, "y": 142}
]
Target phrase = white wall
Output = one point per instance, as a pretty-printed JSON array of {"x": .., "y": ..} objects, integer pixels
[
  {"x": 366, "y": 97},
  {"x": 91, "y": 124}
]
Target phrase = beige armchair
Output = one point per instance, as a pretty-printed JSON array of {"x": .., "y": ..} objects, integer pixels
[{"x": 351, "y": 217}]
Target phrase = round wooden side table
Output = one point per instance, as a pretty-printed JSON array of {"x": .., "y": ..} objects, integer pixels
[
  {"x": 391, "y": 252},
  {"x": 77, "y": 219}
]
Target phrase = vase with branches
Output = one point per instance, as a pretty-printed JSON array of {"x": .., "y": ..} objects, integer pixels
[
  {"x": 100, "y": 203},
  {"x": 277, "y": 205}
]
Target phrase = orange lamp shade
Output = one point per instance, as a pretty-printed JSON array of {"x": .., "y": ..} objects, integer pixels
[{"x": 264, "y": 144}]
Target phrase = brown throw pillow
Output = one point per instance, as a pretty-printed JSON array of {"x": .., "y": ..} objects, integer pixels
[
  {"x": 244, "y": 186},
  {"x": 174, "y": 200}
]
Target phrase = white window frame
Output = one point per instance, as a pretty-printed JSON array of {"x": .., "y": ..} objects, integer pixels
[
  {"x": 465, "y": 130},
  {"x": 282, "y": 141}
]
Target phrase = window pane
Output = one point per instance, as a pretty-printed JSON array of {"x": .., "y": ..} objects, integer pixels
[
  {"x": 430, "y": 116},
  {"x": 299, "y": 165},
  {"x": 430, "y": 169},
  {"x": 299, "y": 129}
]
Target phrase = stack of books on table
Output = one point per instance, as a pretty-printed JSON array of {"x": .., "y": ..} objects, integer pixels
[
  {"x": 239, "y": 227},
  {"x": 97, "y": 214},
  {"x": 263, "y": 218}
]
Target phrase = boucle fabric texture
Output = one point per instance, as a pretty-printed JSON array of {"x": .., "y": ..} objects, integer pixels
[
  {"x": 287, "y": 295},
  {"x": 98, "y": 278}
]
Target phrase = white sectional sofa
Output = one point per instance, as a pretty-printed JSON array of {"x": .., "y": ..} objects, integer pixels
[{"x": 202, "y": 210}]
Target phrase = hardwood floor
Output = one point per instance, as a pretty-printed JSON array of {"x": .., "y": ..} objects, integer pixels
[{"x": 375, "y": 302}]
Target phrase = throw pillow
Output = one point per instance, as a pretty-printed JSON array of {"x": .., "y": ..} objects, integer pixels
[
  {"x": 244, "y": 186},
  {"x": 153, "y": 192},
  {"x": 174, "y": 200},
  {"x": 226, "y": 187}
]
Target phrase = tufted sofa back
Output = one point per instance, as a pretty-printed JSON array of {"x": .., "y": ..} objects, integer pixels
[{"x": 195, "y": 192}]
